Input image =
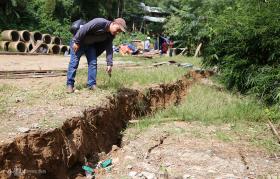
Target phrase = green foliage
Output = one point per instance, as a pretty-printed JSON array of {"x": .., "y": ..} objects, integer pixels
[
  {"x": 51, "y": 16},
  {"x": 55, "y": 16},
  {"x": 245, "y": 47},
  {"x": 189, "y": 23},
  {"x": 240, "y": 37},
  {"x": 50, "y": 7}
]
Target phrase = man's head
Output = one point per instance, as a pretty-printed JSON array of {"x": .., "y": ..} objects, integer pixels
[{"x": 117, "y": 26}]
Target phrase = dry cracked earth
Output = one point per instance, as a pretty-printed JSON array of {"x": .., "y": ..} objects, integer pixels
[{"x": 187, "y": 150}]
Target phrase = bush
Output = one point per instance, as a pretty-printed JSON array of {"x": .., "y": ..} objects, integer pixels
[{"x": 245, "y": 46}]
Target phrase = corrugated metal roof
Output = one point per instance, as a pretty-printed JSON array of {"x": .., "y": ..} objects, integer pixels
[
  {"x": 154, "y": 19},
  {"x": 152, "y": 9}
]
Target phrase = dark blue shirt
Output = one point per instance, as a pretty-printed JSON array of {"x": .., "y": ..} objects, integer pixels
[{"x": 96, "y": 33}]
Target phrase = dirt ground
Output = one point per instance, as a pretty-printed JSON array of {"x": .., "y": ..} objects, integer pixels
[
  {"x": 169, "y": 150},
  {"x": 43, "y": 62},
  {"x": 188, "y": 150},
  {"x": 32, "y": 108},
  {"x": 43, "y": 104},
  {"x": 36, "y": 62}
]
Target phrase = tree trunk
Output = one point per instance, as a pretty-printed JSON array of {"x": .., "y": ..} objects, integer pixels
[{"x": 118, "y": 14}]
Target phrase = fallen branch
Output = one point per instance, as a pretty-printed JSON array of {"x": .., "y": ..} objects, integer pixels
[
  {"x": 183, "y": 51},
  {"x": 274, "y": 131}
]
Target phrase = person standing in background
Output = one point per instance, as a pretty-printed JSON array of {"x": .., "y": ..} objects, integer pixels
[{"x": 147, "y": 44}]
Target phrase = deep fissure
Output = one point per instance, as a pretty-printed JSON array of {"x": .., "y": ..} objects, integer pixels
[{"x": 61, "y": 152}]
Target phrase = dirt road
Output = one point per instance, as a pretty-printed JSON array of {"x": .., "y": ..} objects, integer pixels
[{"x": 39, "y": 62}]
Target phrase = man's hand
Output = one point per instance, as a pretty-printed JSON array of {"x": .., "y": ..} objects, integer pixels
[
  {"x": 76, "y": 47},
  {"x": 109, "y": 69}
]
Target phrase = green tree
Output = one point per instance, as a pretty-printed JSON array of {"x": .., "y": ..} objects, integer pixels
[{"x": 239, "y": 37}]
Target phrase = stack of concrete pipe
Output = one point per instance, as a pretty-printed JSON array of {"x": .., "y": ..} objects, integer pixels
[
  {"x": 25, "y": 41},
  {"x": 11, "y": 41}
]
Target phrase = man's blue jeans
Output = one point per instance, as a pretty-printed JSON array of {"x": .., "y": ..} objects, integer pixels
[{"x": 90, "y": 52}]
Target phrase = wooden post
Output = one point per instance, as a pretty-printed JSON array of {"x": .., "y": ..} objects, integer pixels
[{"x": 197, "y": 50}]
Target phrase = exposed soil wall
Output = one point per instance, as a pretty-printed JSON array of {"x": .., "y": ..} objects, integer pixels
[{"x": 55, "y": 153}]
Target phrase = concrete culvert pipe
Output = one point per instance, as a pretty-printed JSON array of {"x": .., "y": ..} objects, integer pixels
[
  {"x": 24, "y": 35},
  {"x": 10, "y": 35},
  {"x": 44, "y": 48},
  {"x": 63, "y": 49},
  {"x": 36, "y": 36},
  {"x": 17, "y": 47},
  {"x": 68, "y": 48},
  {"x": 47, "y": 38},
  {"x": 56, "y": 40},
  {"x": 4, "y": 45},
  {"x": 29, "y": 46},
  {"x": 54, "y": 49}
]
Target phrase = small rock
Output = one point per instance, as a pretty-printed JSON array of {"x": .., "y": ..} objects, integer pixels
[
  {"x": 129, "y": 157},
  {"x": 211, "y": 171},
  {"x": 19, "y": 100},
  {"x": 116, "y": 160},
  {"x": 230, "y": 176},
  {"x": 129, "y": 167},
  {"x": 186, "y": 176},
  {"x": 210, "y": 152},
  {"x": 35, "y": 126},
  {"x": 23, "y": 129},
  {"x": 167, "y": 164},
  {"x": 102, "y": 154},
  {"x": 115, "y": 148},
  {"x": 148, "y": 175},
  {"x": 252, "y": 173},
  {"x": 132, "y": 174}
]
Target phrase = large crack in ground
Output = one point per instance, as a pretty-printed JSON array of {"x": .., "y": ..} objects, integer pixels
[{"x": 56, "y": 153}]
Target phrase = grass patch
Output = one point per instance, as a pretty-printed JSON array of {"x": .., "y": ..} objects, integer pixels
[
  {"x": 246, "y": 116},
  {"x": 132, "y": 77},
  {"x": 223, "y": 136},
  {"x": 210, "y": 106},
  {"x": 271, "y": 145},
  {"x": 197, "y": 133},
  {"x": 4, "y": 98}
]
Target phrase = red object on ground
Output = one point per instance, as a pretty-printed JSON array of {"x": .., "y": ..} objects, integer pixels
[
  {"x": 164, "y": 47},
  {"x": 125, "y": 50}
]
